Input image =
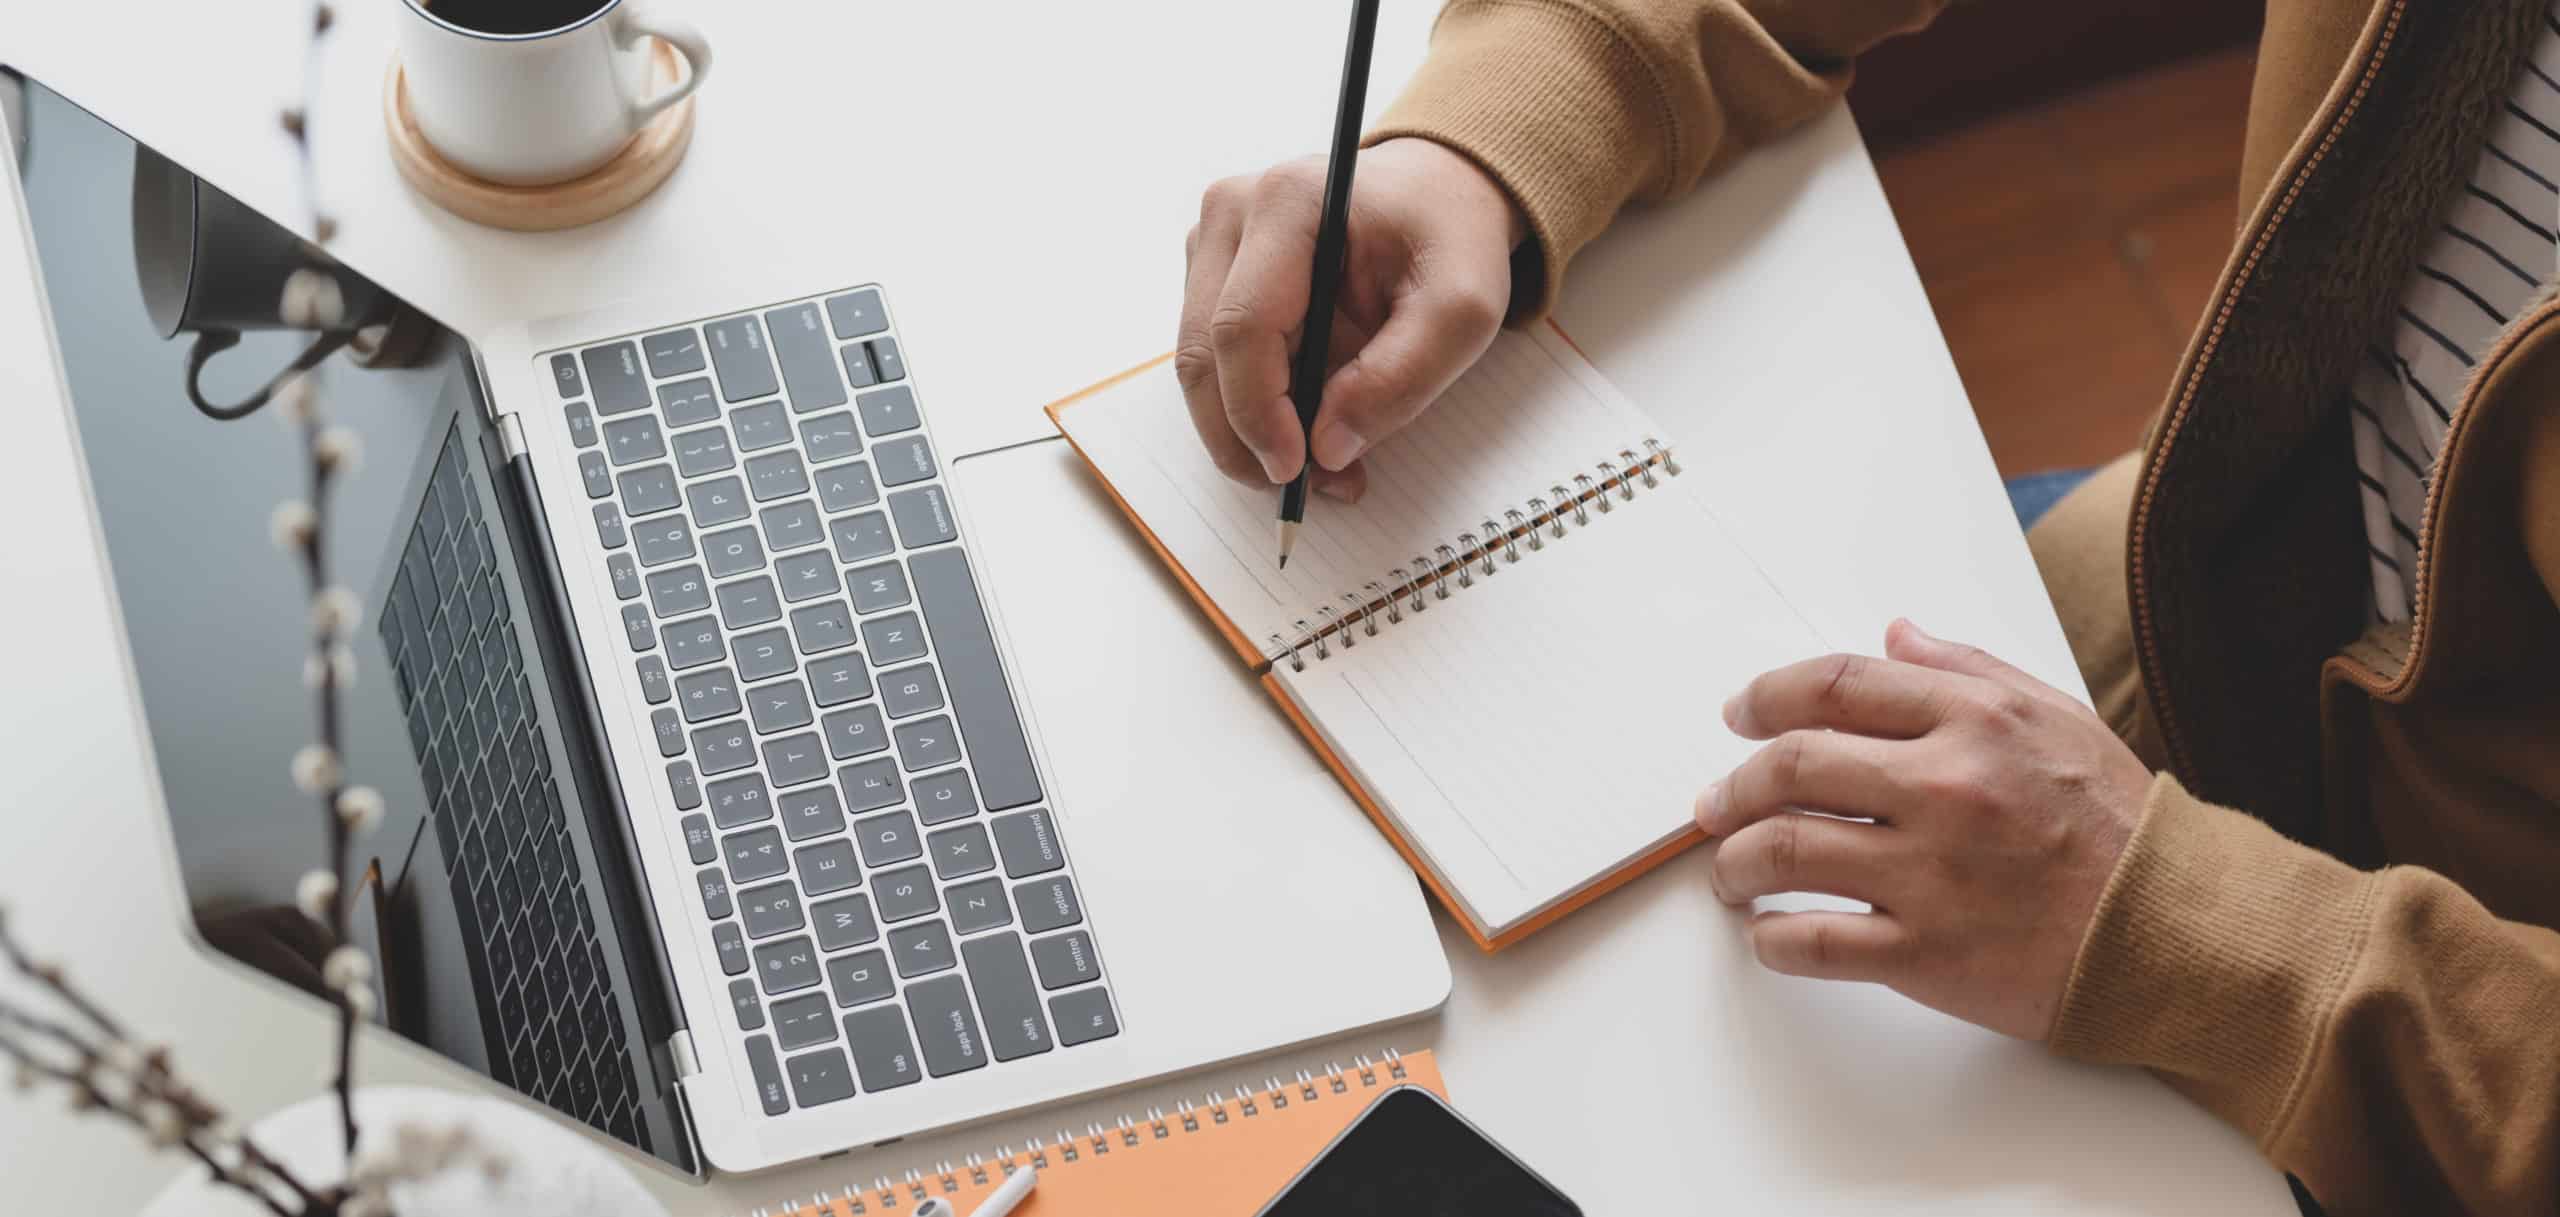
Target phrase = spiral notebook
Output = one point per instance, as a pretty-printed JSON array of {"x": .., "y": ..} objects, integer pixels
[
  {"x": 1513, "y": 650},
  {"x": 1224, "y": 1156}
]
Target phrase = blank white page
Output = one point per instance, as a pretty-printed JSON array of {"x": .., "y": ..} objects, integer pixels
[
  {"x": 1531, "y": 414},
  {"x": 1536, "y": 732}
]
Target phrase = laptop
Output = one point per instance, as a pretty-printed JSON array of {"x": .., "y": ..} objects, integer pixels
[{"x": 720, "y": 816}]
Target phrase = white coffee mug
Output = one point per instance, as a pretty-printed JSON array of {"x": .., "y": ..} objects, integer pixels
[{"x": 530, "y": 108}]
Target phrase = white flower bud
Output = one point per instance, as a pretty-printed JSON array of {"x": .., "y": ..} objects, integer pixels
[
  {"x": 336, "y": 609},
  {"x": 345, "y": 969},
  {"x": 312, "y": 301},
  {"x": 315, "y": 893},
  {"x": 342, "y": 667},
  {"x": 365, "y": 1204},
  {"x": 162, "y": 1124},
  {"x": 360, "y": 1001},
  {"x": 338, "y": 450},
  {"x": 314, "y": 670},
  {"x": 119, "y": 1056},
  {"x": 360, "y": 807},
  {"x": 293, "y": 400},
  {"x": 315, "y": 769},
  {"x": 292, "y": 524}
]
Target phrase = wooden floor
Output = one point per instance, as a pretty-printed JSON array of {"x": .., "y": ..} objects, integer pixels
[{"x": 2069, "y": 249}]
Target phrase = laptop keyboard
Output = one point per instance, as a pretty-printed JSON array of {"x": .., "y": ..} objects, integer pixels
[
  {"x": 879, "y": 875},
  {"x": 555, "y": 1028}
]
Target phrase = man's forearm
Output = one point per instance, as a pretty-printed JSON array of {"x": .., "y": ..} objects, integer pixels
[{"x": 1580, "y": 106}]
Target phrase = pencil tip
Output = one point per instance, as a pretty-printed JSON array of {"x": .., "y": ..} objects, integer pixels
[
  {"x": 1284, "y": 561},
  {"x": 1288, "y": 541}
]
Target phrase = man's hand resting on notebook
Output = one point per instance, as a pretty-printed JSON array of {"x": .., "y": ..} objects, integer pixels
[
  {"x": 1427, "y": 280},
  {"x": 2000, "y": 808}
]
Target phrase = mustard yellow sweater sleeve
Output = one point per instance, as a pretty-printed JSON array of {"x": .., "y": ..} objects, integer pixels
[{"x": 1579, "y": 107}]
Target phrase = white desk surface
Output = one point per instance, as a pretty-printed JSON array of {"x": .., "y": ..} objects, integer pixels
[{"x": 1024, "y": 182}]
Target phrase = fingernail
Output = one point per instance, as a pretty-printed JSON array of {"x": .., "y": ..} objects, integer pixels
[
  {"x": 1271, "y": 468},
  {"x": 1337, "y": 445},
  {"x": 1710, "y": 806},
  {"x": 1340, "y": 491},
  {"x": 1733, "y": 712}
]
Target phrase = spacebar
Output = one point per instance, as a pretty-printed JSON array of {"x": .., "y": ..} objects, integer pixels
[{"x": 974, "y": 679}]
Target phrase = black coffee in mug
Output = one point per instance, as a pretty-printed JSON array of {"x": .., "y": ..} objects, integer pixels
[{"x": 514, "y": 17}]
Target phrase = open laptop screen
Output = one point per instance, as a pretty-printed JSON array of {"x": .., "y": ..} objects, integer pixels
[{"x": 486, "y": 905}]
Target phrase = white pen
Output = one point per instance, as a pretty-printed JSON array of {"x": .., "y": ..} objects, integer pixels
[{"x": 1008, "y": 1195}]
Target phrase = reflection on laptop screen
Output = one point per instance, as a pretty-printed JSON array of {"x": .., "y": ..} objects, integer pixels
[{"x": 482, "y": 901}]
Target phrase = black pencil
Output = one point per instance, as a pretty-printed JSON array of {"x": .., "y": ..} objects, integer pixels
[{"x": 1306, "y": 372}]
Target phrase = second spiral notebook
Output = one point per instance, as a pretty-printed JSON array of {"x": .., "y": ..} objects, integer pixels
[{"x": 1513, "y": 650}]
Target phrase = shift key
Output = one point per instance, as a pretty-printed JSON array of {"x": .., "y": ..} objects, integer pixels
[
  {"x": 808, "y": 365},
  {"x": 1015, "y": 1026},
  {"x": 738, "y": 355}
]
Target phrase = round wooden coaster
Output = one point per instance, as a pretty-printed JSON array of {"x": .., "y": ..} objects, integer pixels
[{"x": 626, "y": 179}]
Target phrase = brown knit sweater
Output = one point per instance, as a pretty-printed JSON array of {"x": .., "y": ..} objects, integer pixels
[{"x": 2388, "y": 1036}]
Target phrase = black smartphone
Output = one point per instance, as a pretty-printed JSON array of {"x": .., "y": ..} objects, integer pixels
[{"x": 1409, "y": 1155}]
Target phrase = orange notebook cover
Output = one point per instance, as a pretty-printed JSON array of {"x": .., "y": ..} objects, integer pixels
[
  {"x": 1226, "y": 1156},
  {"x": 1262, "y": 668}
]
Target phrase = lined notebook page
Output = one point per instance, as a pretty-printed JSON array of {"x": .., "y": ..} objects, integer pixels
[
  {"x": 1530, "y": 415},
  {"x": 1538, "y": 731}
]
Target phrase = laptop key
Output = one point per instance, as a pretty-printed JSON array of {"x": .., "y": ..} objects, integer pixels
[
  {"x": 889, "y": 411},
  {"x": 901, "y": 895},
  {"x": 910, "y": 691},
  {"x": 1084, "y": 1016},
  {"x": 791, "y": 526},
  {"x": 749, "y": 602},
  {"x": 893, "y": 639},
  {"x": 837, "y": 679},
  {"x": 610, "y": 532},
  {"x": 854, "y": 732},
  {"x": 721, "y": 500},
  {"x": 824, "y": 626},
  {"x": 687, "y": 402},
  {"x": 699, "y": 843},
  {"x": 649, "y": 489},
  {"x": 1015, "y": 1026},
  {"x": 704, "y": 451},
  {"x": 861, "y": 538},
  {"x": 888, "y": 839},
  {"x": 800, "y": 342},
  {"x": 673, "y": 353},
  {"x": 763, "y": 654},
  {"x": 847, "y": 486},
  {"x": 670, "y": 732},
  {"x": 871, "y": 785},
  {"x": 972, "y": 677},
  {"x": 740, "y": 800},
  {"x": 692, "y": 642},
  {"x": 857, "y": 314},
  {"x": 708, "y": 694},
  {"x": 724, "y": 748},
  {"x": 794, "y": 759},
  {"x": 679, "y": 590},
  {"x": 769, "y": 910},
  {"x": 564, "y": 375},
  {"x": 885, "y": 359},
  {"x": 594, "y": 472},
  {"x": 625, "y": 575},
  {"x": 786, "y": 966},
  {"x": 715, "y": 893},
  {"x": 1029, "y": 843},
  {"x": 732, "y": 551},
  {"x": 860, "y": 977},
  {"x": 779, "y": 706},
  {"x": 632, "y": 440},
  {"x": 1048, "y": 904},
  {"x": 857, "y": 365},
  {"x": 807, "y": 576},
  {"x": 922, "y": 949},
  {"x": 812, "y": 813},
  {"x": 768, "y": 1074},
  {"x": 820, "y": 1077},
  {"x": 685, "y": 785},
  {"x": 924, "y": 517},
  {"x": 776, "y": 475},
  {"x": 844, "y": 923},
  {"x": 804, "y": 1021},
  {"x": 663, "y": 540},
  {"x": 614, "y": 370},
  {"x": 944, "y": 797},
  {"x": 760, "y": 426},
  {"x": 960, "y": 851},
  {"x": 582, "y": 424},
  {"x": 738, "y": 358},
  {"x": 979, "y": 906},
  {"x": 882, "y": 1054},
  {"x": 732, "y": 948},
  {"x": 827, "y": 866},
  {"x": 754, "y": 854},
  {"x": 744, "y": 1003},
  {"x": 830, "y": 437},
  {"x": 927, "y": 743},
  {"x": 1065, "y": 959},
  {"x": 947, "y": 1026},
  {"x": 878, "y": 587}
]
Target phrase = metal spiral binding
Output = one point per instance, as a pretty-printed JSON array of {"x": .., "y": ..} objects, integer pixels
[{"x": 1484, "y": 550}]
